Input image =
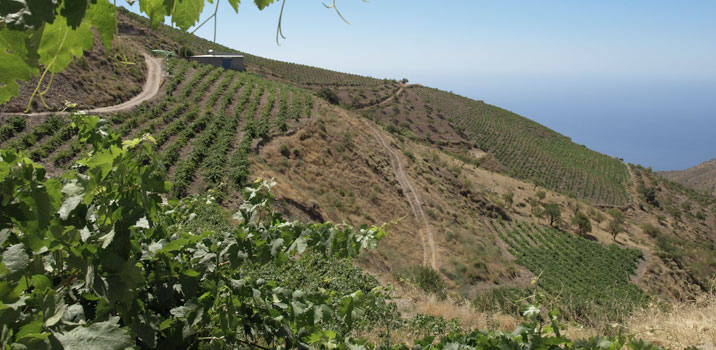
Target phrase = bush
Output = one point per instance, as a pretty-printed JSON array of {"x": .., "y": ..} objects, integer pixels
[
  {"x": 328, "y": 95},
  {"x": 582, "y": 223},
  {"x": 285, "y": 151},
  {"x": 429, "y": 280},
  {"x": 649, "y": 194},
  {"x": 651, "y": 230}
]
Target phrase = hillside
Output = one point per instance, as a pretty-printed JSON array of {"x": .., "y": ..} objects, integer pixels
[
  {"x": 103, "y": 77},
  {"x": 701, "y": 177},
  {"x": 464, "y": 186}
]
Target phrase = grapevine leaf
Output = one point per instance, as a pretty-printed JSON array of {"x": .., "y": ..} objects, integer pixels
[
  {"x": 60, "y": 44},
  {"x": 74, "y": 11},
  {"x": 52, "y": 320},
  {"x": 101, "y": 16},
  {"x": 13, "y": 66},
  {"x": 299, "y": 245},
  {"x": 4, "y": 234},
  {"x": 107, "y": 239},
  {"x": 154, "y": 9},
  {"x": 100, "y": 335},
  {"x": 235, "y": 5},
  {"x": 30, "y": 330},
  {"x": 276, "y": 245},
  {"x": 261, "y": 4},
  {"x": 75, "y": 193},
  {"x": 186, "y": 13},
  {"x": 16, "y": 305},
  {"x": 27, "y": 14},
  {"x": 68, "y": 206},
  {"x": 15, "y": 258},
  {"x": 41, "y": 282}
]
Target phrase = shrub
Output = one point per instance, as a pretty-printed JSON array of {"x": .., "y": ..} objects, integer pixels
[
  {"x": 328, "y": 95},
  {"x": 509, "y": 198},
  {"x": 651, "y": 230},
  {"x": 649, "y": 194},
  {"x": 429, "y": 280},
  {"x": 285, "y": 151},
  {"x": 541, "y": 195},
  {"x": 582, "y": 223}
]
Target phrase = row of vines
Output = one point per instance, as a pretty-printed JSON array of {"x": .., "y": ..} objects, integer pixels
[
  {"x": 588, "y": 279},
  {"x": 204, "y": 126},
  {"x": 533, "y": 152}
]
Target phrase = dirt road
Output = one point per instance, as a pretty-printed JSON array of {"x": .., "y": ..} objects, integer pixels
[
  {"x": 149, "y": 90},
  {"x": 426, "y": 234}
]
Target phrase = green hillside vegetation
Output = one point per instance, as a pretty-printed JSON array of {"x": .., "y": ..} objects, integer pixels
[
  {"x": 113, "y": 267},
  {"x": 204, "y": 126},
  {"x": 122, "y": 238},
  {"x": 527, "y": 150},
  {"x": 523, "y": 148},
  {"x": 588, "y": 280},
  {"x": 683, "y": 233}
]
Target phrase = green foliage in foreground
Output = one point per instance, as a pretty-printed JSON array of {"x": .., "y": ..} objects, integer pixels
[{"x": 94, "y": 259}]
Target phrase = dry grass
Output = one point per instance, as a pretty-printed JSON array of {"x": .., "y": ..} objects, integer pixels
[
  {"x": 412, "y": 301},
  {"x": 683, "y": 325}
]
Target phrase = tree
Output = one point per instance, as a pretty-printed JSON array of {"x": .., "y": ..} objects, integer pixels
[
  {"x": 616, "y": 225},
  {"x": 582, "y": 223},
  {"x": 553, "y": 212},
  {"x": 51, "y": 34},
  {"x": 649, "y": 194},
  {"x": 328, "y": 95}
]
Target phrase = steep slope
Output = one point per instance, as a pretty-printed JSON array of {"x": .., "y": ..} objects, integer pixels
[
  {"x": 701, "y": 177},
  {"x": 103, "y": 77},
  {"x": 433, "y": 165},
  {"x": 516, "y": 145}
]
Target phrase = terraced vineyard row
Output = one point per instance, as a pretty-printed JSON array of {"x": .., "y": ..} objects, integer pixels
[
  {"x": 533, "y": 152},
  {"x": 204, "y": 127},
  {"x": 587, "y": 277}
]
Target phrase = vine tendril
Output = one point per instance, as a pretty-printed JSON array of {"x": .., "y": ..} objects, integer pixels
[{"x": 279, "y": 30}]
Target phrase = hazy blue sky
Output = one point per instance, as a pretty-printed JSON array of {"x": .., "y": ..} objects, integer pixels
[{"x": 634, "y": 79}]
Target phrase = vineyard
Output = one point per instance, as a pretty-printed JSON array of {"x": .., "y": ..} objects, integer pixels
[
  {"x": 141, "y": 229},
  {"x": 533, "y": 152},
  {"x": 205, "y": 126},
  {"x": 588, "y": 279},
  {"x": 95, "y": 259}
]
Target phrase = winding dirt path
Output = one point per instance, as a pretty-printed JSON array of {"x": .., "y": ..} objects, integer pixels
[
  {"x": 149, "y": 90},
  {"x": 426, "y": 234}
]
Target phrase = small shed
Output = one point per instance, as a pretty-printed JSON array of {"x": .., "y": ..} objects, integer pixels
[{"x": 225, "y": 60}]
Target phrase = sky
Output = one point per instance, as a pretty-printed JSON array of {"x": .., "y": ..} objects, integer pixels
[{"x": 634, "y": 79}]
